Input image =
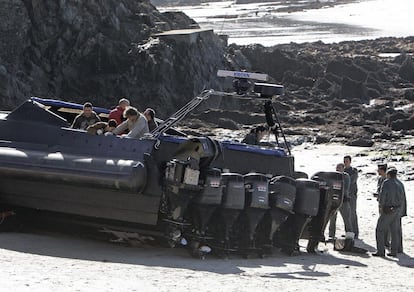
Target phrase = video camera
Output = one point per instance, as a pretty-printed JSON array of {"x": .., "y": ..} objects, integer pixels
[{"x": 243, "y": 85}]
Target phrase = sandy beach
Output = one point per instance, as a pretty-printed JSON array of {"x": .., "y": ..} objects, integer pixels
[{"x": 60, "y": 262}]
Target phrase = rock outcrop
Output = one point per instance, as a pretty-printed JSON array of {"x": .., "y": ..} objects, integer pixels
[
  {"x": 351, "y": 89},
  {"x": 101, "y": 50}
]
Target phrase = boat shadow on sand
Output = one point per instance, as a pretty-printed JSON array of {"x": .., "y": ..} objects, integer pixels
[
  {"x": 403, "y": 260},
  {"x": 63, "y": 246}
]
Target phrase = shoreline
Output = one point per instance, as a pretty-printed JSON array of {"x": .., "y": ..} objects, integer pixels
[{"x": 269, "y": 25}]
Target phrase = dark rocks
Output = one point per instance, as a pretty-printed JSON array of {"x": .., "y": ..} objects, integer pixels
[
  {"x": 398, "y": 115},
  {"x": 274, "y": 62},
  {"x": 350, "y": 87},
  {"x": 315, "y": 119},
  {"x": 227, "y": 124},
  {"x": 320, "y": 139},
  {"x": 361, "y": 142},
  {"x": 407, "y": 69},
  {"x": 346, "y": 68},
  {"x": 295, "y": 78},
  {"x": 409, "y": 94},
  {"x": 386, "y": 135},
  {"x": 214, "y": 115},
  {"x": 353, "y": 89},
  {"x": 403, "y": 124},
  {"x": 370, "y": 129}
]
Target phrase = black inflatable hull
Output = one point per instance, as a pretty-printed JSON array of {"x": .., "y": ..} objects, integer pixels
[{"x": 198, "y": 189}]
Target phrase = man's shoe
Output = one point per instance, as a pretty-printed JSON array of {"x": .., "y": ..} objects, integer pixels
[
  {"x": 378, "y": 255},
  {"x": 391, "y": 255}
]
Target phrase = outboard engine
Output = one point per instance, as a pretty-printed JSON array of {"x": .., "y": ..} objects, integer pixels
[
  {"x": 256, "y": 204},
  {"x": 306, "y": 206},
  {"x": 181, "y": 186},
  {"x": 282, "y": 193},
  {"x": 231, "y": 206},
  {"x": 331, "y": 196},
  {"x": 203, "y": 206}
]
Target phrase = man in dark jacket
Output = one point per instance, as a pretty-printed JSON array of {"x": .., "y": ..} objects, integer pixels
[
  {"x": 353, "y": 191},
  {"x": 255, "y": 135},
  {"x": 403, "y": 213},
  {"x": 149, "y": 114},
  {"x": 391, "y": 202},
  {"x": 85, "y": 119},
  {"x": 382, "y": 176},
  {"x": 345, "y": 208}
]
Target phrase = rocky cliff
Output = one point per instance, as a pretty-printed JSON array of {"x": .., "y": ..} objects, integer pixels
[{"x": 100, "y": 50}]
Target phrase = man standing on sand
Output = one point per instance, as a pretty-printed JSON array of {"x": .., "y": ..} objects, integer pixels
[
  {"x": 403, "y": 213},
  {"x": 345, "y": 208},
  {"x": 391, "y": 201},
  {"x": 382, "y": 176},
  {"x": 353, "y": 191}
]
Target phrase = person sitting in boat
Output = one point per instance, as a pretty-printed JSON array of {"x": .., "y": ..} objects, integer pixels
[
  {"x": 149, "y": 114},
  {"x": 118, "y": 113},
  {"x": 102, "y": 128},
  {"x": 255, "y": 135},
  {"x": 86, "y": 118},
  {"x": 136, "y": 124}
]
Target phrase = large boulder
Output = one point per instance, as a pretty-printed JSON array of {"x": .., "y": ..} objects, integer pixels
[
  {"x": 407, "y": 69},
  {"x": 360, "y": 142},
  {"x": 351, "y": 89},
  {"x": 403, "y": 124},
  {"x": 409, "y": 94},
  {"x": 346, "y": 68}
]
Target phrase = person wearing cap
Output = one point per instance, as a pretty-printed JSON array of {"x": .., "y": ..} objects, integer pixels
[
  {"x": 391, "y": 205},
  {"x": 117, "y": 113},
  {"x": 255, "y": 135}
]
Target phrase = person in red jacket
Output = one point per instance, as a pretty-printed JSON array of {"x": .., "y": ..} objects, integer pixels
[{"x": 117, "y": 113}]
